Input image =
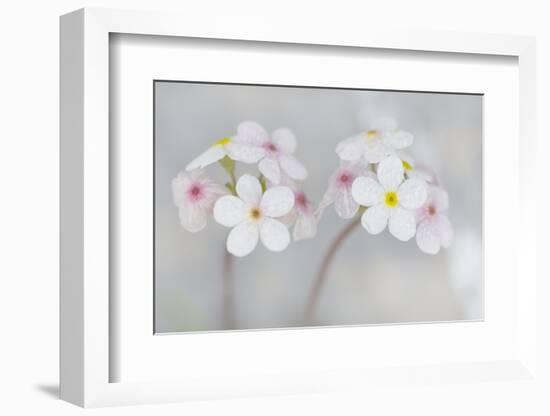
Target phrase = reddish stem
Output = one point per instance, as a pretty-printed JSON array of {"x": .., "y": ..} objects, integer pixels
[{"x": 321, "y": 277}]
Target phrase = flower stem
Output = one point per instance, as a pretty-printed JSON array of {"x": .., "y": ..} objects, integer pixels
[
  {"x": 325, "y": 266},
  {"x": 232, "y": 177},
  {"x": 228, "y": 165},
  {"x": 228, "y": 317}
]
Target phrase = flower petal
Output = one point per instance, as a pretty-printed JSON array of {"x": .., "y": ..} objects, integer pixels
[
  {"x": 439, "y": 198},
  {"x": 445, "y": 227},
  {"x": 305, "y": 227},
  {"x": 351, "y": 148},
  {"x": 398, "y": 139},
  {"x": 212, "y": 191},
  {"x": 345, "y": 205},
  {"x": 192, "y": 218},
  {"x": 427, "y": 237},
  {"x": 376, "y": 150},
  {"x": 277, "y": 201},
  {"x": 402, "y": 224},
  {"x": 390, "y": 173},
  {"x": 375, "y": 218},
  {"x": 328, "y": 198},
  {"x": 422, "y": 173},
  {"x": 242, "y": 239},
  {"x": 367, "y": 191},
  {"x": 284, "y": 139},
  {"x": 179, "y": 186},
  {"x": 406, "y": 159},
  {"x": 249, "y": 189},
  {"x": 290, "y": 218},
  {"x": 251, "y": 133},
  {"x": 196, "y": 174},
  {"x": 274, "y": 234},
  {"x": 245, "y": 153},
  {"x": 209, "y": 156},
  {"x": 412, "y": 193},
  {"x": 292, "y": 167},
  {"x": 269, "y": 167},
  {"x": 359, "y": 167},
  {"x": 229, "y": 211}
]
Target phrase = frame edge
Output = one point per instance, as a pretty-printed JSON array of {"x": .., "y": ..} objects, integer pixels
[{"x": 71, "y": 221}]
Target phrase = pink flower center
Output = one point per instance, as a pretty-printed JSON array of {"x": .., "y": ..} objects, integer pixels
[
  {"x": 270, "y": 147},
  {"x": 345, "y": 179},
  {"x": 431, "y": 210},
  {"x": 195, "y": 192},
  {"x": 301, "y": 200}
]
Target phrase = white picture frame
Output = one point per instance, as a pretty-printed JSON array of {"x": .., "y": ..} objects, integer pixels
[{"x": 86, "y": 305}]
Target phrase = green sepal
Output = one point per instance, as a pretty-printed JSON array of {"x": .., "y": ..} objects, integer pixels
[
  {"x": 228, "y": 164},
  {"x": 231, "y": 188},
  {"x": 263, "y": 183}
]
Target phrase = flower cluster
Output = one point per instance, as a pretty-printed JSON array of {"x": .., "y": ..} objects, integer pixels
[
  {"x": 255, "y": 208},
  {"x": 377, "y": 177}
]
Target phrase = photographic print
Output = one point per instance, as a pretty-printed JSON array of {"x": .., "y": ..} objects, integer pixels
[{"x": 289, "y": 206}]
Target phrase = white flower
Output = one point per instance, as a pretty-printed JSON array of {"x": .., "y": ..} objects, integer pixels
[
  {"x": 339, "y": 189},
  {"x": 228, "y": 146},
  {"x": 273, "y": 154},
  {"x": 414, "y": 171},
  {"x": 434, "y": 228},
  {"x": 253, "y": 216},
  {"x": 376, "y": 143},
  {"x": 302, "y": 214},
  {"x": 390, "y": 199},
  {"x": 195, "y": 194},
  {"x": 214, "y": 153}
]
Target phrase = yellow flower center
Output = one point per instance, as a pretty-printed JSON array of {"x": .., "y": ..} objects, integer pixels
[
  {"x": 370, "y": 137},
  {"x": 222, "y": 142},
  {"x": 391, "y": 199},
  {"x": 407, "y": 165},
  {"x": 255, "y": 214}
]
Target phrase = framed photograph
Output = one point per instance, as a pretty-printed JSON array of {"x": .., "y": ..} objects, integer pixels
[
  {"x": 210, "y": 278},
  {"x": 266, "y": 213}
]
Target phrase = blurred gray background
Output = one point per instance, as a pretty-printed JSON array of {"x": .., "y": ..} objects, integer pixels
[{"x": 374, "y": 279}]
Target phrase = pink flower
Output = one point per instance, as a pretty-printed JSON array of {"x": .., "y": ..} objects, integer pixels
[
  {"x": 339, "y": 188},
  {"x": 302, "y": 215},
  {"x": 434, "y": 229},
  {"x": 195, "y": 194},
  {"x": 273, "y": 153}
]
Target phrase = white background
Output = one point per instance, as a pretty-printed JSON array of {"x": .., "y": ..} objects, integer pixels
[{"x": 29, "y": 208}]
